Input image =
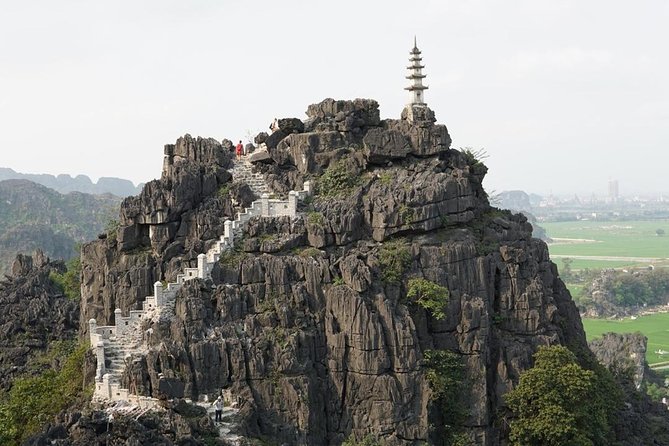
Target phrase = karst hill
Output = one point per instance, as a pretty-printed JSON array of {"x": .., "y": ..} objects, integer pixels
[{"x": 332, "y": 321}]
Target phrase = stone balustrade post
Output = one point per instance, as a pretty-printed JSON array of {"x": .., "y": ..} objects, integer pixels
[
  {"x": 158, "y": 293},
  {"x": 106, "y": 385},
  {"x": 118, "y": 322},
  {"x": 100, "y": 356},
  {"x": 292, "y": 203},
  {"x": 93, "y": 331},
  {"x": 202, "y": 266},
  {"x": 228, "y": 232},
  {"x": 264, "y": 205}
]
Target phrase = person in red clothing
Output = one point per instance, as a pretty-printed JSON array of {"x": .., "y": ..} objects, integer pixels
[{"x": 239, "y": 150}]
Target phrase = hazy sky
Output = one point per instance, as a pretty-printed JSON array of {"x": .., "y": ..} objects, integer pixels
[{"x": 562, "y": 94}]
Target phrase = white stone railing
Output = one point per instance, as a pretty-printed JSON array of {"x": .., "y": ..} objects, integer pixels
[{"x": 100, "y": 335}]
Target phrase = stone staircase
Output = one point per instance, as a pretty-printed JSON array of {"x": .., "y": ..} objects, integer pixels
[
  {"x": 242, "y": 171},
  {"x": 115, "y": 345},
  {"x": 229, "y": 423}
]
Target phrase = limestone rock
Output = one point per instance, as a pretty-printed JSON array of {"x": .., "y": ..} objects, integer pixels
[
  {"x": 301, "y": 322},
  {"x": 384, "y": 145}
]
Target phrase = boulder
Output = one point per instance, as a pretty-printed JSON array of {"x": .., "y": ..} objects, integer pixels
[
  {"x": 384, "y": 145},
  {"x": 261, "y": 157}
]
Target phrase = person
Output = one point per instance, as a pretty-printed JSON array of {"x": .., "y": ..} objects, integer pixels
[
  {"x": 218, "y": 405},
  {"x": 274, "y": 126},
  {"x": 239, "y": 150}
]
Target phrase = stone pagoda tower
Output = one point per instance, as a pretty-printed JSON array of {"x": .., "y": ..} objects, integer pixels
[
  {"x": 417, "y": 111},
  {"x": 416, "y": 77}
]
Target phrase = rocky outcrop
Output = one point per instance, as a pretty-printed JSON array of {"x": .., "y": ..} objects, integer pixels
[
  {"x": 181, "y": 424},
  {"x": 625, "y": 353},
  {"x": 35, "y": 313},
  {"x": 308, "y": 321}
]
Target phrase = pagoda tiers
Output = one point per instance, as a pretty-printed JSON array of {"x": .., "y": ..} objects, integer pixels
[{"x": 416, "y": 77}]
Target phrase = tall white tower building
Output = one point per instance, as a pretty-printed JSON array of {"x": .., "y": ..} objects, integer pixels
[{"x": 416, "y": 77}]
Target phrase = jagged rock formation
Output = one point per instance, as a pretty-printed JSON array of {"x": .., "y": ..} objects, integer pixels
[
  {"x": 642, "y": 421},
  {"x": 35, "y": 217},
  {"x": 625, "y": 353},
  {"x": 34, "y": 313},
  {"x": 81, "y": 183},
  {"x": 301, "y": 323}
]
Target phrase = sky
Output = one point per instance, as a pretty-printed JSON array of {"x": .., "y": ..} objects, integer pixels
[{"x": 562, "y": 95}]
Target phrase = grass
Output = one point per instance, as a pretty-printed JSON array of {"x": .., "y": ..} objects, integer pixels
[
  {"x": 655, "y": 327},
  {"x": 596, "y": 264},
  {"x": 616, "y": 238}
]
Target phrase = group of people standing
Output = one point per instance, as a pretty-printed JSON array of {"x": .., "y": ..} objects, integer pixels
[{"x": 240, "y": 149}]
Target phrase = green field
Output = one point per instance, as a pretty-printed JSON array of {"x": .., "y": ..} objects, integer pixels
[
  {"x": 614, "y": 239},
  {"x": 655, "y": 327}
]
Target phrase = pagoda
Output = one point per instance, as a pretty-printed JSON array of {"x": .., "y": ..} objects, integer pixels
[{"x": 416, "y": 77}]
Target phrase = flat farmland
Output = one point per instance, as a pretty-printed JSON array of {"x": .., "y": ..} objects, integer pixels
[
  {"x": 654, "y": 326},
  {"x": 597, "y": 244}
]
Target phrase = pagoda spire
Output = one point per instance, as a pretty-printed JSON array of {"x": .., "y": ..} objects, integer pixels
[{"x": 416, "y": 76}]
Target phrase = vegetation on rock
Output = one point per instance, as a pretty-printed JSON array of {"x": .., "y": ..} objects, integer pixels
[
  {"x": 558, "y": 402},
  {"x": 394, "y": 257},
  {"x": 337, "y": 179},
  {"x": 368, "y": 440},
  {"x": 69, "y": 282},
  {"x": 429, "y": 295},
  {"x": 445, "y": 374},
  {"x": 35, "y": 217},
  {"x": 34, "y": 400}
]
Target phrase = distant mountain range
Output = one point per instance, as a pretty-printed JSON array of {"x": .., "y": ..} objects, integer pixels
[
  {"x": 81, "y": 183},
  {"x": 33, "y": 216}
]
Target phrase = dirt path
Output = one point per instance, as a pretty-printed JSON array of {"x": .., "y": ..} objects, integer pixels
[
  {"x": 609, "y": 258},
  {"x": 570, "y": 241}
]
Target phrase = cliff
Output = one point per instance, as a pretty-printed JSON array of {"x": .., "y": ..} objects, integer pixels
[
  {"x": 35, "y": 314},
  {"x": 36, "y": 217},
  {"x": 308, "y": 322}
]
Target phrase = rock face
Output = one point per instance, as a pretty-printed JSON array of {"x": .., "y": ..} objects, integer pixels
[
  {"x": 34, "y": 314},
  {"x": 36, "y": 217},
  {"x": 625, "y": 353},
  {"x": 308, "y": 321}
]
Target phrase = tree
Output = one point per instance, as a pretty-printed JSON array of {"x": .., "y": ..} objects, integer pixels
[
  {"x": 566, "y": 269},
  {"x": 429, "y": 295},
  {"x": 659, "y": 232},
  {"x": 630, "y": 290},
  {"x": 557, "y": 402}
]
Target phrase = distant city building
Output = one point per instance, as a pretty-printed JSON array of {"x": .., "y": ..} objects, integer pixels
[{"x": 613, "y": 191}]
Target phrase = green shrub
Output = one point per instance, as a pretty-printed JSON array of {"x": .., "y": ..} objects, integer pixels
[
  {"x": 407, "y": 214},
  {"x": 386, "y": 178},
  {"x": 111, "y": 227},
  {"x": 34, "y": 401},
  {"x": 315, "y": 218},
  {"x": 655, "y": 392},
  {"x": 336, "y": 180},
  {"x": 445, "y": 375},
  {"x": 558, "y": 402},
  {"x": 368, "y": 440},
  {"x": 429, "y": 295},
  {"x": 231, "y": 257},
  {"x": 69, "y": 282},
  {"x": 224, "y": 190},
  {"x": 310, "y": 252},
  {"x": 338, "y": 281},
  {"x": 394, "y": 257}
]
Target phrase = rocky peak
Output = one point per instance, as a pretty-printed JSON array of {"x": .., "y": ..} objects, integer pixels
[{"x": 308, "y": 321}]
